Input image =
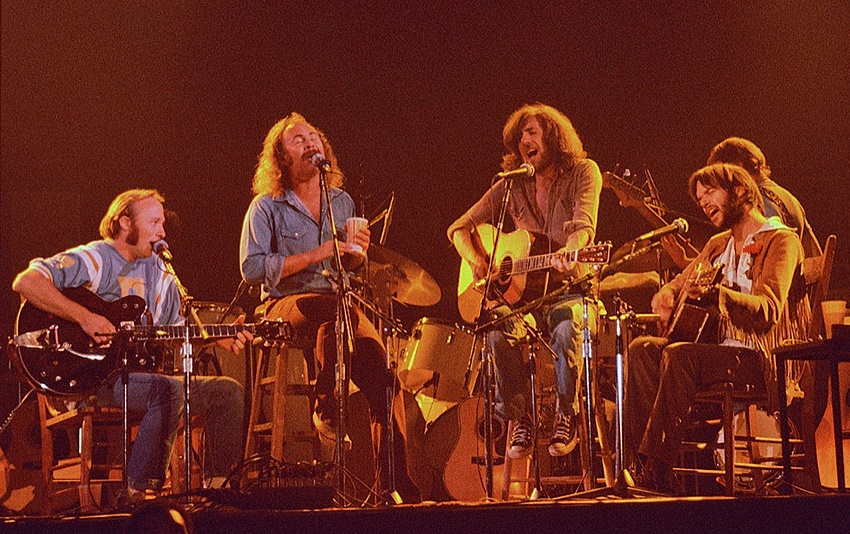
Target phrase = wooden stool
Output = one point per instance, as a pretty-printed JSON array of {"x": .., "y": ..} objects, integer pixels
[
  {"x": 290, "y": 423},
  {"x": 178, "y": 464},
  {"x": 76, "y": 473}
]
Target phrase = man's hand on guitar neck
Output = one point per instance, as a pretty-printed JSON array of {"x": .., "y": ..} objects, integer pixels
[
  {"x": 236, "y": 344},
  {"x": 569, "y": 268}
]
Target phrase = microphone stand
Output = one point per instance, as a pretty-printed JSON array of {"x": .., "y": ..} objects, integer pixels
[
  {"x": 390, "y": 324},
  {"x": 188, "y": 311},
  {"x": 624, "y": 486},
  {"x": 344, "y": 336},
  {"x": 486, "y": 353}
]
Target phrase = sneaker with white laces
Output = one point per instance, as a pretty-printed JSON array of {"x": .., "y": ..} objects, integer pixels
[
  {"x": 564, "y": 436},
  {"x": 522, "y": 439}
]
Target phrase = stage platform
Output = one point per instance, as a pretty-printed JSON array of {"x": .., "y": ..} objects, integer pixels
[{"x": 780, "y": 514}]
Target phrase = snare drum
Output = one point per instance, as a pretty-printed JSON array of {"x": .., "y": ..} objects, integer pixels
[{"x": 436, "y": 359}]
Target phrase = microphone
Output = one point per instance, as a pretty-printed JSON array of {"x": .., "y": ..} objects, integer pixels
[
  {"x": 321, "y": 162},
  {"x": 526, "y": 170},
  {"x": 160, "y": 248},
  {"x": 679, "y": 226}
]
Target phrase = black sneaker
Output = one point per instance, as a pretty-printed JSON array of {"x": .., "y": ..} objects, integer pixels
[
  {"x": 522, "y": 439},
  {"x": 564, "y": 436}
]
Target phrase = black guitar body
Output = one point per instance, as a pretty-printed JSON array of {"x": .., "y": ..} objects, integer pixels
[{"x": 68, "y": 362}]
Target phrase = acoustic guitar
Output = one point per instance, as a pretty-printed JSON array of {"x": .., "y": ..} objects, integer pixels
[
  {"x": 57, "y": 356},
  {"x": 521, "y": 269},
  {"x": 694, "y": 320}
]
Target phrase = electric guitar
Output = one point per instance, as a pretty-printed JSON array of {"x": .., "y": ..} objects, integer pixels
[
  {"x": 57, "y": 356},
  {"x": 513, "y": 265},
  {"x": 694, "y": 320},
  {"x": 631, "y": 196}
]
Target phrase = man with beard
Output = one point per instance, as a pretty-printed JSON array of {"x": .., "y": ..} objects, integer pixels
[
  {"x": 777, "y": 200},
  {"x": 559, "y": 203},
  {"x": 287, "y": 249},
  {"x": 122, "y": 264},
  {"x": 760, "y": 301}
]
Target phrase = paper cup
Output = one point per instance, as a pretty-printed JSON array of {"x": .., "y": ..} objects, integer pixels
[
  {"x": 833, "y": 313},
  {"x": 352, "y": 226}
]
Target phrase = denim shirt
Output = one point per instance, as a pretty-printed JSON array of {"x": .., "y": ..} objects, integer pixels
[{"x": 275, "y": 228}]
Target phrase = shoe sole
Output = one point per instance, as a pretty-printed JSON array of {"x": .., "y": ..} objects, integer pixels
[{"x": 557, "y": 451}]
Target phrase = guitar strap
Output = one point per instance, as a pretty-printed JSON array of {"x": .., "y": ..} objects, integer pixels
[{"x": 783, "y": 209}]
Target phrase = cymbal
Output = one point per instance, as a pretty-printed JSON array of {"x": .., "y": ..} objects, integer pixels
[{"x": 403, "y": 279}]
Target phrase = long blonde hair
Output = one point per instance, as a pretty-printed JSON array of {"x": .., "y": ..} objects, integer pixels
[{"x": 272, "y": 174}]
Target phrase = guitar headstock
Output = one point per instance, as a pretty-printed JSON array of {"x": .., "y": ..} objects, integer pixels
[
  {"x": 274, "y": 330},
  {"x": 628, "y": 194},
  {"x": 599, "y": 254}
]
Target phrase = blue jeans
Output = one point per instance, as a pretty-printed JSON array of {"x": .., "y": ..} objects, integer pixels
[
  {"x": 564, "y": 321},
  {"x": 159, "y": 401}
]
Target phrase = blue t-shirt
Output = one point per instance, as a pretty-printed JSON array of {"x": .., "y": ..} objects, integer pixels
[{"x": 99, "y": 267}]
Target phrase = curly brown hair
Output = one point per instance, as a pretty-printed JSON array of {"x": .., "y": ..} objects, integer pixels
[{"x": 559, "y": 136}]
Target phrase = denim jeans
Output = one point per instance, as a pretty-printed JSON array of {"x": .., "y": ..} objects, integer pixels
[
  {"x": 159, "y": 401},
  {"x": 565, "y": 323}
]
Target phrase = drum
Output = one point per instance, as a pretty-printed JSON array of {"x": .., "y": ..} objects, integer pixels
[{"x": 436, "y": 359}]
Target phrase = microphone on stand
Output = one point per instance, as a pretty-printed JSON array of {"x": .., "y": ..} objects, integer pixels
[
  {"x": 679, "y": 226},
  {"x": 321, "y": 162},
  {"x": 526, "y": 170},
  {"x": 160, "y": 248}
]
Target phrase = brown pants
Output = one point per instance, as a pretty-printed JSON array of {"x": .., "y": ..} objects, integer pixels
[{"x": 313, "y": 316}]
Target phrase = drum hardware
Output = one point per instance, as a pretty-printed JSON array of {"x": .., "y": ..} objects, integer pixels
[{"x": 403, "y": 280}]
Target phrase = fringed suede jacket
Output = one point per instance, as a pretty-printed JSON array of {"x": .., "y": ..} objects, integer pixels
[{"x": 775, "y": 311}]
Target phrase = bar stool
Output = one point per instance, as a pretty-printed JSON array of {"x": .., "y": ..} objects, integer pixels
[{"x": 289, "y": 424}]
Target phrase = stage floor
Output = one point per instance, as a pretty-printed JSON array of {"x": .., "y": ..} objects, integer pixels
[{"x": 779, "y": 514}]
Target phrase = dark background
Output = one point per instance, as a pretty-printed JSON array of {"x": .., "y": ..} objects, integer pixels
[{"x": 100, "y": 97}]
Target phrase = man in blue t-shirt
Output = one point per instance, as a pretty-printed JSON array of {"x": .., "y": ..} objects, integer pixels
[{"x": 122, "y": 264}]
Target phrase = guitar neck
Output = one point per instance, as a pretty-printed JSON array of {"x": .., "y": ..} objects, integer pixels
[
  {"x": 543, "y": 261},
  {"x": 178, "y": 332}
]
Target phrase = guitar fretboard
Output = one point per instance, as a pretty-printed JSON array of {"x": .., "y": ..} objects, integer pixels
[
  {"x": 177, "y": 332},
  {"x": 543, "y": 261}
]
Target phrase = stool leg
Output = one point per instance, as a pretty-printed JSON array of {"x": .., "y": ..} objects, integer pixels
[
  {"x": 729, "y": 443},
  {"x": 279, "y": 411},
  {"x": 87, "y": 442},
  {"x": 508, "y": 467}
]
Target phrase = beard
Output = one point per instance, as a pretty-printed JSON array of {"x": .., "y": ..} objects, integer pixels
[
  {"x": 733, "y": 212},
  {"x": 133, "y": 234}
]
